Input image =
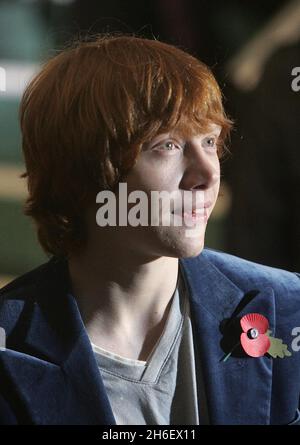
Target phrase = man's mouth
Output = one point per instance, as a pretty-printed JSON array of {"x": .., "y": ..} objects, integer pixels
[{"x": 194, "y": 213}]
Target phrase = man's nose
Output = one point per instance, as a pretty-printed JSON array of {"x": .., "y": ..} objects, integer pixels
[{"x": 201, "y": 173}]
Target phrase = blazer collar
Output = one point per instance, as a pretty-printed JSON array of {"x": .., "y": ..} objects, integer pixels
[{"x": 239, "y": 383}]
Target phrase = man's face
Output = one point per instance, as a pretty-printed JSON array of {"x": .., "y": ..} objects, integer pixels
[{"x": 172, "y": 163}]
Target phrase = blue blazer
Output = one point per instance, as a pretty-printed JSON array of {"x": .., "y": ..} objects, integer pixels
[{"x": 48, "y": 373}]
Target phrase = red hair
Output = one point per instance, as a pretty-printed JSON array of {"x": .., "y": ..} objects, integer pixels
[{"x": 85, "y": 116}]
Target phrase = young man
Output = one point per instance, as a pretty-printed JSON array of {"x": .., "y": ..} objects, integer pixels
[{"x": 132, "y": 321}]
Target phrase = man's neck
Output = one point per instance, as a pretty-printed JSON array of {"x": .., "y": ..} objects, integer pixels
[{"x": 124, "y": 301}]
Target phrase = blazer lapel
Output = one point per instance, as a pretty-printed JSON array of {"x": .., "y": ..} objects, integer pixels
[
  {"x": 238, "y": 390},
  {"x": 54, "y": 371}
]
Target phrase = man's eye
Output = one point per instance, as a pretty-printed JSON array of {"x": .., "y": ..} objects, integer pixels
[
  {"x": 168, "y": 146},
  {"x": 210, "y": 142}
]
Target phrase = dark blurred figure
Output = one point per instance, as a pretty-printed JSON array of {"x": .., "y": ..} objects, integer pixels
[{"x": 264, "y": 223}]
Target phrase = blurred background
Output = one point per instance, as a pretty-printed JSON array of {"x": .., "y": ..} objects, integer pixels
[{"x": 253, "y": 49}]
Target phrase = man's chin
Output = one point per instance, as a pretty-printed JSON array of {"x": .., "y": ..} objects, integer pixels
[
  {"x": 186, "y": 248},
  {"x": 191, "y": 251},
  {"x": 176, "y": 243}
]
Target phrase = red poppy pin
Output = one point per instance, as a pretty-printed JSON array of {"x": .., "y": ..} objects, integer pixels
[{"x": 256, "y": 339}]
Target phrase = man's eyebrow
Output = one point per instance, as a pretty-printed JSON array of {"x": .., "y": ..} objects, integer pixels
[{"x": 216, "y": 129}]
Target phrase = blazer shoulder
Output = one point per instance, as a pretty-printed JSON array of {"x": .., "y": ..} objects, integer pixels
[
  {"x": 248, "y": 276},
  {"x": 17, "y": 294},
  {"x": 245, "y": 273},
  {"x": 18, "y": 284}
]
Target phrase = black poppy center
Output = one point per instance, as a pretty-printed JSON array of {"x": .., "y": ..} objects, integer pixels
[{"x": 253, "y": 333}]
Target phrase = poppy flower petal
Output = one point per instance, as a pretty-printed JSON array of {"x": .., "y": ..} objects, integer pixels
[
  {"x": 254, "y": 321},
  {"x": 256, "y": 347}
]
